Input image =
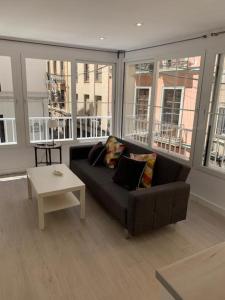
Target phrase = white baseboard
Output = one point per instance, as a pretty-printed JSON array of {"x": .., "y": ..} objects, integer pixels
[{"x": 215, "y": 207}]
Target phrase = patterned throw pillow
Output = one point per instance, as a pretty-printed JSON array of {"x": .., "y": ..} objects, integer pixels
[
  {"x": 114, "y": 149},
  {"x": 150, "y": 158}
]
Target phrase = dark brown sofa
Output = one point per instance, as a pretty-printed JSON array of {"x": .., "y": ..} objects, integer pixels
[{"x": 144, "y": 209}]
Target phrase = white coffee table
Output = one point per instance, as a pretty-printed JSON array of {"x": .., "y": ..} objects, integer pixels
[{"x": 55, "y": 192}]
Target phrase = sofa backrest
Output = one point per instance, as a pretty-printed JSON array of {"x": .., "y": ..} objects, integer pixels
[{"x": 166, "y": 170}]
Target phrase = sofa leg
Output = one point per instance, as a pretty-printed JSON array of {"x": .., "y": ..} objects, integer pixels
[{"x": 127, "y": 234}]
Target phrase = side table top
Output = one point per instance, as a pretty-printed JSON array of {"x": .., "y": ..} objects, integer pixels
[{"x": 47, "y": 145}]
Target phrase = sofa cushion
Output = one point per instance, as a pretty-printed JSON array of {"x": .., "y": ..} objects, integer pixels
[
  {"x": 98, "y": 174},
  {"x": 165, "y": 171},
  {"x": 99, "y": 180}
]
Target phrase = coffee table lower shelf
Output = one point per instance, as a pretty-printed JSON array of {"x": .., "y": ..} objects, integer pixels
[{"x": 60, "y": 201}]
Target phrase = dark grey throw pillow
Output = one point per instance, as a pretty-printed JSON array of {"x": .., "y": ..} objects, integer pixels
[
  {"x": 95, "y": 152},
  {"x": 129, "y": 173}
]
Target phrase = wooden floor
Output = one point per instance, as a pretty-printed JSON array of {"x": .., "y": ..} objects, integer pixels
[{"x": 89, "y": 260}]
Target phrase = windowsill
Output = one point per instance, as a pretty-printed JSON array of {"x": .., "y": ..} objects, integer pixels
[{"x": 211, "y": 172}]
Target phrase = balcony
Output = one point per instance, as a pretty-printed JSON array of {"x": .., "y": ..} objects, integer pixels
[
  {"x": 169, "y": 137},
  {"x": 8, "y": 131},
  {"x": 88, "y": 127}
]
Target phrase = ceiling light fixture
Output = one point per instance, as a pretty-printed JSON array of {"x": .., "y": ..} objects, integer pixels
[
  {"x": 139, "y": 24},
  {"x": 101, "y": 38}
]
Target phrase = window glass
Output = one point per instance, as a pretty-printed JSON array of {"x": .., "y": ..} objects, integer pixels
[
  {"x": 49, "y": 97},
  {"x": 214, "y": 152},
  {"x": 7, "y": 103},
  {"x": 138, "y": 85},
  {"x": 94, "y": 100},
  {"x": 175, "y": 105}
]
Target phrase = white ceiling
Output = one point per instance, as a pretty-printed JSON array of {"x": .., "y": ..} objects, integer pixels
[{"x": 83, "y": 22}]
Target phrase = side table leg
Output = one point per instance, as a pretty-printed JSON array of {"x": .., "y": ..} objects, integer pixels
[
  {"x": 82, "y": 203},
  {"x": 41, "y": 216},
  {"x": 29, "y": 188}
]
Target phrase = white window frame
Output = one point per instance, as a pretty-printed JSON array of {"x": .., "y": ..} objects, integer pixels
[
  {"x": 114, "y": 66},
  {"x": 7, "y": 51},
  {"x": 127, "y": 63}
]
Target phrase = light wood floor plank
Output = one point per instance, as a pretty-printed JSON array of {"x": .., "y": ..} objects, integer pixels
[{"x": 91, "y": 259}]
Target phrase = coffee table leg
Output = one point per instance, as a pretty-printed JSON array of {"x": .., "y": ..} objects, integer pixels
[
  {"x": 41, "y": 216},
  {"x": 82, "y": 203},
  {"x": 29, "y": 188}
]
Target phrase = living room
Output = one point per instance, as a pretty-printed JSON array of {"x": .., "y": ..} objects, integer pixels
[{"x": 112, "y": 150}]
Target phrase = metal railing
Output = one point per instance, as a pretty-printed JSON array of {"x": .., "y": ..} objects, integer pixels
[
  {"x": 169, "y": 137},
  {"x": 40, "y": 132},
  {"x": 89, "y": 127},
  {"x": 8, "y": 131}
]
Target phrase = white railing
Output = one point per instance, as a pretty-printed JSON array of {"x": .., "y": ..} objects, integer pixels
[
  {"x": 173, "y": 138},
  {"x": 40, "y": 132},
  {"x": 7, "y": 131},
  {"x": 217, "y": 153},
  {"x": 90, "y": 127},
  {"x": 137, "y": 129},
  {"x": 169, "y": 137}
]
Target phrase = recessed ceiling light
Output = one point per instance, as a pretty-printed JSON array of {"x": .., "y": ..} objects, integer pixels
[
  {"x": 101, "y": 38},
  {"x": 139, "y": 24}
]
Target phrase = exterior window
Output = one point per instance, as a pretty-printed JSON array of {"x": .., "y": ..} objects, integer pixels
[
  {"x": 98, "y": 73},
  {"x": 175, "y": 105},
  {"x": 94, "y": 107},
  {"x": 86, "y": 104},
  {"x": 86, "y": 73},
  {"x": 214, "y": 153},
  {"x": 171, "y": 97},
  {"x": 137, "y": 101},
  {"x": 49, "y": 97},
  {"x": 8, "y": 134}
]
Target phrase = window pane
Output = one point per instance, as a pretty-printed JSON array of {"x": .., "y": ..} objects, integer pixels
[
  {"x": 49, "y": 97},
  {"x": 137, "y": 101},
  {"x": 214, "y": 153},
  {"x": 175, "y": 105},
  {"x": 7, "y": 103},
  {"x": 94, "y": 100}
]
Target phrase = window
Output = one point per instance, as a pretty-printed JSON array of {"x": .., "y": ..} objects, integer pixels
[
  {"x": 49, "y": 97},
  {"x": 171, "y": 97},
  {"x": 214, "y": 154},
  {"x": 138, "y": 84},
  {"x": 175, "y": 105},
  {"x": 86, "y": 105},
  {"x": 98, "y": 104},
  {"x": 7, "y": 103},
  {"x": 98, "y": 73},
  {"x": 86, "y": 73},
  {"x": 94, "y": 107}
]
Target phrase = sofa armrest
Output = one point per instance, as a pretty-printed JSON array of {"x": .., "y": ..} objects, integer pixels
[
  {"x": 157, "y": 206},
  {"x": 79, "y": 152}
]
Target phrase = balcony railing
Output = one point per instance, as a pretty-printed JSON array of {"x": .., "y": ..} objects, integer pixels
[
  {"x": 7, "y": 131},
  {"x": 89, "y": 127},
  {"x": 40, "y": 132},
  {"x": 173, "y": 138}
]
